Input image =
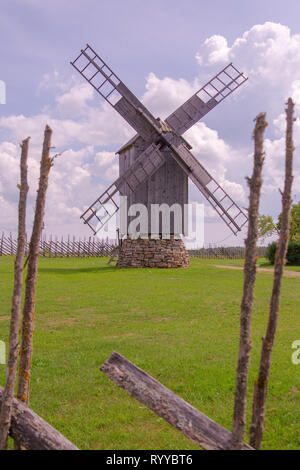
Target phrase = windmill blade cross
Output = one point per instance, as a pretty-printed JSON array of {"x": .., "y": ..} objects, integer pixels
[{"x": 159, "y": 134}]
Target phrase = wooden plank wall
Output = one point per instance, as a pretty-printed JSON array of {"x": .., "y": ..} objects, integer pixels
[{"x": 168, "y": 185}]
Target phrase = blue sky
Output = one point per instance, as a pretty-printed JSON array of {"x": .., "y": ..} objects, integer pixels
[{"x": 162, "y": 50}]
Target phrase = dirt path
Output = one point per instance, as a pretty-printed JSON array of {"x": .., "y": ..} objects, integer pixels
[{"x": 266, "y": 270}]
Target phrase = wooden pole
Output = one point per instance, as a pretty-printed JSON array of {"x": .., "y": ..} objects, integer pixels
[
  {"x": 240, "y": 401},
  {"x": 32, "y": 432},
  {"x": 13, "y": 352},
  {"x": 31, "y": 278},
  {"x": 193, "y": 424},
  {"x": 261, "y": 384}
]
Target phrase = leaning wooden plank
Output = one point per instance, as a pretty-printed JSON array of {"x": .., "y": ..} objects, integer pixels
[
  {"x": 32, "y": 432},
  {"x": 114, "y": 255},
  {"x": 191, "y": 422}
]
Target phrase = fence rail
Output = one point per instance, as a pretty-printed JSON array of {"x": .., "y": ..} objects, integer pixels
[
  {"x": 63, "y": 247},
  {"x": 52, "y": 247}
]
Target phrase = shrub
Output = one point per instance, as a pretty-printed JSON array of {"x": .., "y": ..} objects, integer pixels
[
  {"x": 270, "y": 253},
  {"x": 292, "y": 255}
]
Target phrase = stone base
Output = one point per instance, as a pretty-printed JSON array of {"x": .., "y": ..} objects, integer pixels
[{"x": 153, "y": 253}]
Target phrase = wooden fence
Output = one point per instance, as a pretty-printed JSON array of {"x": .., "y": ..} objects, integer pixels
[
  {"x": 54, "y": 247},
  {"x": 62, "y": 247}
]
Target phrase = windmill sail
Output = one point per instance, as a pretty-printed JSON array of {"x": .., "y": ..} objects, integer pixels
[
  {"x": 99, "y": 213},
  {"x": 234, "y": 217},
  {"x": 205, "y": 99},
  {"x": 101, "y": 77}
]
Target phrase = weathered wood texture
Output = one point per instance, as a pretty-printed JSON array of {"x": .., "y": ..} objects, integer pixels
[
  {"x": 169, "y": 184},
  {"x": 32, "y": 432},
  {"x": 13, "y": 352},
  {"x": 191, "y": 422},
  {"x": 31, "y": 277},
  {"x": 261, "y": 384},
  {"x": 240, "y": 401}
]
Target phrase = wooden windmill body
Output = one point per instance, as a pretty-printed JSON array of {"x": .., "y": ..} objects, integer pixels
[
  {"x": 155, "y": 165},
  {"x": 168, "y": 185}
]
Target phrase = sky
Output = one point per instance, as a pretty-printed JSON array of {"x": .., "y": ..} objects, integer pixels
[{"x": 163, "y": 51}]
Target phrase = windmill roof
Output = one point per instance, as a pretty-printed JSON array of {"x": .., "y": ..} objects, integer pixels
[
  {"x": 128, "y": 144},
  {"x": 164, "y": 128}
]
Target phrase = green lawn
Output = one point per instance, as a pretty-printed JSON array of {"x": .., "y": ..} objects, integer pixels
[{"x": 181, "y": 326}]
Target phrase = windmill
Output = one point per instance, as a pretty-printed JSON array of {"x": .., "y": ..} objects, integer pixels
[{"x": 154, "y": 166}]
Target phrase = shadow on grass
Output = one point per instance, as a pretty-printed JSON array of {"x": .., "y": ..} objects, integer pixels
[{"x": 100, "y": 270}]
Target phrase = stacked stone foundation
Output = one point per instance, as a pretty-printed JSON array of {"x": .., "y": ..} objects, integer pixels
[{"x": 153, "y": 253}]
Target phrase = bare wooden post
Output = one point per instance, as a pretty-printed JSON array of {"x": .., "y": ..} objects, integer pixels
[
  {"x": 261, "y": 384},
  {"x": 31, "y": 278},
  {"x": 8, "y": 394},
  {"x": 180, "y": 414},
  {"x": 239, "y": 416}
]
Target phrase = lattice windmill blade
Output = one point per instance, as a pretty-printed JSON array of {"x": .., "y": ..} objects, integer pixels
[
  {"x": 205, "y": 99},
  {"x": 234, "y": 217},
  {"x": 228, "y": 210},
  {"x": 165, "y": 139},
  {"x": 98, "y": 214},
  {"x": 112, "y": 89}
]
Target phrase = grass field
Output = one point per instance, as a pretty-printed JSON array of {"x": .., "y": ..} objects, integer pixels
[{"x": 181, "y": 326}]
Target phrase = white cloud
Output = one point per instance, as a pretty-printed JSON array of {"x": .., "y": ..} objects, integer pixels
[
  {"x": 74, "y": 102},
  {"x": 207, "y": 144},
  {"x": 269, "y": 53},
  {"x": 164, "y": 95},
  {"x": 98, "y": 127},
  {"x": 9, "y": 214},
  {"x": 105, "y": 165},
  {"x": 214, "y": 50},
  {"x": 295, "y": 92},
  {"x": 71, "y": 184},
  {"x": 215, "y": 154}
]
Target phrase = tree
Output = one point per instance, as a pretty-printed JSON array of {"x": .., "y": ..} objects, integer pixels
[
  {"x": 295, "y": 223},
  {"x": 266, "y": 227}
]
